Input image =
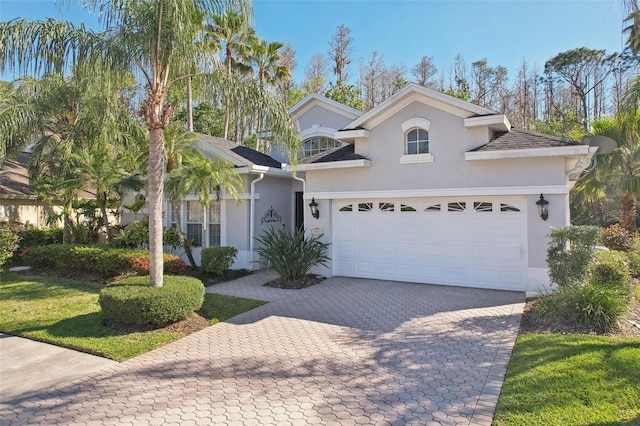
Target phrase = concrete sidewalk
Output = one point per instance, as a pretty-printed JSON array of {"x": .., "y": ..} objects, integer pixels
[{"x": 28, "y": 368}]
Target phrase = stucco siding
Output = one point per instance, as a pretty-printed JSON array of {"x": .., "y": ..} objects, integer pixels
[{"x": 318, "y": 115}]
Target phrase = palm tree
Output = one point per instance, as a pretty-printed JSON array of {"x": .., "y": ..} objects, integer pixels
[
  {"x": 100, "y": 168},
  {"x": 180, "y": 147},
  {"x": 264, "y": 57},
  {"x": 154, "y": 38},
  {"x": 208, "y": 178},
  {"x": 59, "y": 117},
  {"x": 616, "y": 174},
  {"x": 230, "y": 32}
]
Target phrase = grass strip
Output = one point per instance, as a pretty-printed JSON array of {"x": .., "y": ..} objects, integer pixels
[{"x": 66, "y": 313}]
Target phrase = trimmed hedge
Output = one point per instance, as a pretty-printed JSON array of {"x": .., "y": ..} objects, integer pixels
[
  {"x": 216, "y": 260},
  {"x": 132, "y": 301},
  {"x": 108, "y": 262}
]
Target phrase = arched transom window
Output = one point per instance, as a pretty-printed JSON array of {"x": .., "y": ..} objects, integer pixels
[
  {"x": 317, "y": 144},
  {"x": 416, "y": 141}
]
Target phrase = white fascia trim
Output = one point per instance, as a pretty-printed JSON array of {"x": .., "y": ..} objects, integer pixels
[
  {"x": 317, "y": 130},
  {"x": 271, "y": 171},
  {"x": 442, "y": 192},
  {"x": 350, "y": 164},
  {"x": 425, "y": 95},
  {"x": 416, "y": 158},
  {"x": 317, "y": 100},
  {"x": 416, "y": 122},
  {"x": 527, "y": 153},
  {"x": 352, "y": 134},
  {"x": 498, "y": 122}
]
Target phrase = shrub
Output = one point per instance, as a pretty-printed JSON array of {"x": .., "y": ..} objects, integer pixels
[
  {"x": 595, "y": 307},
  {"x": 290, "y": 254},
  {"x": 634, "y": 260},
  {"x": 133, "y": 301},
  {"x": 617, "y": 238},
  {"x": 611, "y": 270},
  {"x": 216, "y": 260},
  {"x": 32, "y": 236},
  {"x": 571, "y": 252},
  {"x": 108, "y": 262},
  {"x": 8, "y": 244}
]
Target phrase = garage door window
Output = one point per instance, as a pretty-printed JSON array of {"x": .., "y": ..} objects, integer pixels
[
  {"x": 433, "y": 208},
  {"x": 508, "y": 208},
  {"x": 365, "y": 207},
  {"x": 483, "y": 206},
  {"x": 457, "y": 206},
  {"x": 347, "y": 208},
  {"x": 386, "y": 207}
]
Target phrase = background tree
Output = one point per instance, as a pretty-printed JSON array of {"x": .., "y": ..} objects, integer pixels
[
  {"x": 315, "y": 75},
  {"x": 584, "y": 70},
  {"x": 340, "y": 50},
  {"x": 424, "y": 71}
]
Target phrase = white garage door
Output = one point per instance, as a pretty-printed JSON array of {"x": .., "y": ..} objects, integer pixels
[{"x": 473, "y": 242}]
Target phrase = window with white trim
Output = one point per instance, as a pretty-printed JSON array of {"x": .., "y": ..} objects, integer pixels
[
  {"x": 214, "y": 224},
  {"x": 416, "y": 141},
  {"x": 317, "y": 144},
  {"x": 194, "y": 223}
]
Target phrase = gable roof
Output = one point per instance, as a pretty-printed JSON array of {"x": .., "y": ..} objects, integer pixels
[
  {"x": 238, "y": 155},
  {"x": 315, "y": 99},
  {"x": 414, "y": 92},
  {"x": 521, "y": 139}
]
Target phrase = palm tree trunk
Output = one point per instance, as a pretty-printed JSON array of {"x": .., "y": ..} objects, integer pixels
[
  {"x": 156, "y": 181},
  {"x": 627, "y": 213},
  {"x": 66, "y": 224},
  {"x": 177, "y": 215},
  {"x": 103, "y": 211},
  {"x": 189, "y": 106}
]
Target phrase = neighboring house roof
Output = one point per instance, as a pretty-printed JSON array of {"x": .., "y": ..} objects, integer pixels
[
  {"x": 344, "y": 153},
  {"x": 14, "y": 178},
  {"x": 238, "y": 155},
  {"x": 521, "y": 139}
]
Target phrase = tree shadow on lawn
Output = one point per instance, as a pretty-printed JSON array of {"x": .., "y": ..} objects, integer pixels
[{"x": 36, "y": 288}]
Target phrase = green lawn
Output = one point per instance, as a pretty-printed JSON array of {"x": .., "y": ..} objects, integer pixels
[
  {"x": 66, "y": 313},
  {"x": 571, "y": 380}
]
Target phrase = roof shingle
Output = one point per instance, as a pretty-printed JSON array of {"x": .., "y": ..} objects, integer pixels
[
  {"x": 344, "y": 153},
  {"x": 521, "y": 139}
]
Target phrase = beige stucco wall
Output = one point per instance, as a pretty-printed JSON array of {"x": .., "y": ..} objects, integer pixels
[
  {"x": 28, "y": 212},
  {"x": 318, "y": 115},
  {"x": 448, "y": 142}
]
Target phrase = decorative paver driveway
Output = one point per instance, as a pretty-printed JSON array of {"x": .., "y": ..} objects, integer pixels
[{"x": 347, "y": 351}]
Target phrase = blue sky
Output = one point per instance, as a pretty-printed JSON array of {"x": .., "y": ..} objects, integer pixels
[{"x": 504, "y": 32}]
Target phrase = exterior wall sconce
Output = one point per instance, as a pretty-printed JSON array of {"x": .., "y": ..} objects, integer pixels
[
  {"x": 314, "y": 208},
  {"x": 543, "y": 207}
]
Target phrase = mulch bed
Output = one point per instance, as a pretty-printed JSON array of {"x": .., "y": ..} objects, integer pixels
[{"x": 306, "y": 281}]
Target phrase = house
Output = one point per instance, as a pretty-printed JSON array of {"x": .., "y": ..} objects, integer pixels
[
  {"x": 424, "y": 188},
  {"x": 18, "y": 200},
  {"x": 428, "y": 188},
  {"x": 266, "y": 199}
]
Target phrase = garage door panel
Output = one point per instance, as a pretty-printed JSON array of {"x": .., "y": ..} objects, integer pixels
[{"x": 472, "y": 248}]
